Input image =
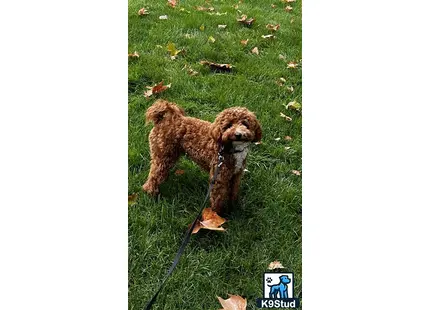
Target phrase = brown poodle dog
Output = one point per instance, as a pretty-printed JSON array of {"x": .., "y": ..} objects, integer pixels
[{"x": 175, "y": 134}]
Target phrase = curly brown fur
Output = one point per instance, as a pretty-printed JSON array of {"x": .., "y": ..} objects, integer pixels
[{"x": 175, "y": 134}]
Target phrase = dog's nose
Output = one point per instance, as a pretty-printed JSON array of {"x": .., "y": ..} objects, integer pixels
[{"x": 238, "y": 135}]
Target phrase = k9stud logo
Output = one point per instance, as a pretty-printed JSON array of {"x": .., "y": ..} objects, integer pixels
[{"x": 278, "y": 291}]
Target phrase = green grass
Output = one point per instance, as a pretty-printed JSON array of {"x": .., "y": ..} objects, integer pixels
[{"x": 266, "y": 226}]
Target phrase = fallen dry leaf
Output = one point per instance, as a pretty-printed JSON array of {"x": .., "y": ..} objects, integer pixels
[
  {"x": 277, "y": 139},
  {"x": 288, "y": 1},
  {"x": 171, "y": 48},
  {"x": 235, "y": 302},
  {"x": 275, "y": 265},
  {"x": 245, "y": 21},
  {"x": 292, "y": 65},
  {"x": 211, "y": 39},
  {"x": 172, "y": 3},
  {"x": 273, "y": 27},
  {"x": 142, "y": 11},
  {"x": 287, "y": 148},
  {"x": 163, "y": 17},
  {"x": 134, "y": 55},
  {"x": 288, "y": 8},
  {"x": 179, "y": 172},
  {"x": 236, "y": 6},
  {"x": 291, "y": 20},
  {"x": 286, "y": 117},
  {"x": 210, "y": 220},
  {"x": 290, "y": 88},
  {"x": 273, "y": 6},
  {"x": 288, "y": 138},
  {"x": 281, "y": 81},
  {"x": 255, "y": 51},
  {"x": 132, "y": 199},
  {"x": 158, "y": 88},
  {"x": 296, "y": 172},
  {"x": 202, "y": 8},
  {"x": 190, "y": 70},
  {"x": 202, "y": 27},
  {"x": 215, "y": 66},
  {"x": 217, "y": 13},
  {"x": 268, "y": 36},
  {"x": 244, "y": 42},
  {"x": 293, "y": 105},
  {"x": 242, "y": 18},
  {"x": 222, "y": 26}
]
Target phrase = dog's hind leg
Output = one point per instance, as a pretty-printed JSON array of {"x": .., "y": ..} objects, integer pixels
[{"x": 163, "y": 158}]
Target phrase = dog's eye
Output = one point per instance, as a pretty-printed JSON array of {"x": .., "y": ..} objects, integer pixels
[
  {"x": 228, "y": 126},
  {"x": 245, "y": 123}
]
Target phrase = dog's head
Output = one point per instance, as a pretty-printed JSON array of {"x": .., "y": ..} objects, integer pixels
[
  {"x": 236, "y": 124},
  {"x": 284, "y": 279}
]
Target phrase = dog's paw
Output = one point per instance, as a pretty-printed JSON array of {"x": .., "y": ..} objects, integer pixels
[{"x": 150, "y": 190}]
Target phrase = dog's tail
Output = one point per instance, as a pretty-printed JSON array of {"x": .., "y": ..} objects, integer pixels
[{"x": 162, "y": 110}]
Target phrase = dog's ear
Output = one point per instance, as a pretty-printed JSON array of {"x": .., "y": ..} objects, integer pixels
[{"x": 257, "y": 132}]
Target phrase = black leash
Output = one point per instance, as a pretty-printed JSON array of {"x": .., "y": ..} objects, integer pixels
[{"x": 188, "y": 233}]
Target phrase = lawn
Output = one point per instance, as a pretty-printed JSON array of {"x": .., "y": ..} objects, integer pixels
[{"x": 266, "y": 225}]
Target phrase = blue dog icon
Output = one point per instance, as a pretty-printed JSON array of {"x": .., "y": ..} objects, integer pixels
[{"x": 280, "y": 288}]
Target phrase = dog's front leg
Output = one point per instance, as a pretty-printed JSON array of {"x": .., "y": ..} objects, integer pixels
[{"x": 221, "y": 190}]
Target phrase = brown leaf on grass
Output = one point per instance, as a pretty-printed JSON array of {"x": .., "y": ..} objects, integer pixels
[
  {"x": 210, "y": 220},
  {"x": 255, "y": 51},
  {"x": 273, "y": 27},
  {"x": 249, "y": 22},
  {"x": 179, "y": 172},
  {"x": 292, "y": 65},
  {"x": 281, "y": 81},
  {"x": 245, "y": 21},
  {"x": 290, "y": 88},
  {"x": 275, "y": 265},
  {"x": 242, "y": 18},
  {"x": 235, "y": 302},
  {"x": 286, "y": 117},
  {"x": 268, "y": 36},
  {"x": 288, "y": 8},
  {"x": 134, "y": 55},
  {"x": 190, "y": 70},
  {"x": 215, "y": 66},
  {"x": 244, "y": 42},
  {"x": 296, "y": 172},
  {"x": 158, "y": 88},
  {"x": 202, "y": 8},
  {"x": 288, "y": 138},
  {"x": 142, "y": 11},
  {"x": 172, "y": 3},
  {"x": 132, "y": 199},
  {"x": 273, "y": 6}
]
